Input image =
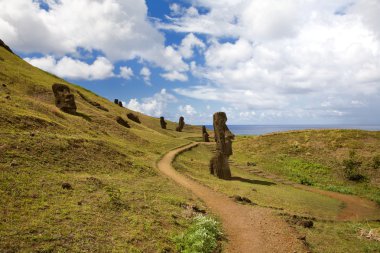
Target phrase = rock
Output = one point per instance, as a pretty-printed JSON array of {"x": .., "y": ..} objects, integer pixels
[
  {"x": 8, "y": 97},
  {"x": 2, "y": 44},
  {"x": 120, "y": 104},
  {"x": 238, "y": 198},
  {"x": 122, "y": 122},
  {"x": 4, "y": 85},
  {"x": 133, "y": 117},
  {"x": 205, "y": 135},
  {"x": 163, "y": 123},
  {"x": 67, "y": 186},
  {"x": 181, "y": 124},
  {"x": 219, "y": 165},
  {"x": 302, "y": 237},
  {"x": 64, "y": 100},
  {"x": 14, "y": 163},
  {"x": 306, "y": 223},
  {"x": 251, "y": 164}
]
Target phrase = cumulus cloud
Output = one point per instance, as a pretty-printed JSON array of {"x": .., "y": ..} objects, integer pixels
[
  {"x": 67, "y": 67},
  {"x": 188, "y": 44},
  {"x": 119, "y": 29},
  {"x": 187, "y": 110},
  {"x": 175, "y": 76},
  {"x": 283, "y": 57},
  {"x": 145, "y": 73},
  {"x": 153, "y": 106},
  {"x": 126, "y": 72}
]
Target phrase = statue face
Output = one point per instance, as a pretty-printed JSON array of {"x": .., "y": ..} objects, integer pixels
[{"x": 64, "y": 100}]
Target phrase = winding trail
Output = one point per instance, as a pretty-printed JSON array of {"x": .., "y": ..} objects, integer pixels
[{"x": 249, "y": 229}]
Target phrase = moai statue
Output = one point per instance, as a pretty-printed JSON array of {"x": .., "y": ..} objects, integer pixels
[
  {"x": 64, "y": 100},
  {"x": 163, "y": 123},
  {"x": 205, "y": 134},
  {"x": 116, "y": 101},
  {"x": 120, "y": 104},
  {"x": 181, "y": 124},
  {"x": 133, "y": 117},
  {"x": 219, "y": 163},
  {"x": 122, "y": 122}
]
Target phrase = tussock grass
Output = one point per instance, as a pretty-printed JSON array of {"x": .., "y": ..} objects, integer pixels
[{"x": 118, "y": 201}]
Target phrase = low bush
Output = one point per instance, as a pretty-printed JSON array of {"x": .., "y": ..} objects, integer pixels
[
  {"x": 202, "y": 236},
  {"x": 351, "y": 168}
]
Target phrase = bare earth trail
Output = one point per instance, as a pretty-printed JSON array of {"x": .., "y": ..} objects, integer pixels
[
  {"x": 355, "y": 208},
  {"x": 249, "y": 229}
]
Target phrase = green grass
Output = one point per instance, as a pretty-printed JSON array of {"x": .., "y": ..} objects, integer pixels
[
  {"x": 325, "y": 236},
  {"x": 118, "y": 203},
  {"x": 318, "y": 157},
  {"x": 261, "y": 191}
]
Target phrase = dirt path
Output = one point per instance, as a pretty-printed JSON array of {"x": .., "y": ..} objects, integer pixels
[
  {"x": 249, "y": 229},
  {"x": 355, "y": 208}
]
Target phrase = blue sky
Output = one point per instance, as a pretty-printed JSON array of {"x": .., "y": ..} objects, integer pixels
[{"x": 260, "y": 61}]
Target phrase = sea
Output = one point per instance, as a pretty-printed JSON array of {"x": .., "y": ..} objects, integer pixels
[{"x": 265, "y": 129}]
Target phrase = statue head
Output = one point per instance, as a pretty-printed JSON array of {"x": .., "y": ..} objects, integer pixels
[{"x": 64, "y": 100}]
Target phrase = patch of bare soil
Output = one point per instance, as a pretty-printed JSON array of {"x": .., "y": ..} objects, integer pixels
[{"x": 249, "y": 228}]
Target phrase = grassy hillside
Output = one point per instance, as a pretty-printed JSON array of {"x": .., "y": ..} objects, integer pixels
[
  {"x": 71, "y": 183},
  {"x": 323, "y": 158},
  {"x": 326, "y": 235}
]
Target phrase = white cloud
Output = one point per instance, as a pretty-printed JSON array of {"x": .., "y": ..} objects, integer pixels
[
  {"x": 283, "y": 56},
  {"x": 118, "y": 28},
  {"x": 175, "y": 75},
  {"x": 145, "y": 73},
  {"x": 188, "y": 44},
  {"x": 153, "y": 106},
  {"x": 187, "y": 109},
  {"x": 126, "y": 72},
  {"x": 67, "y": 67}
]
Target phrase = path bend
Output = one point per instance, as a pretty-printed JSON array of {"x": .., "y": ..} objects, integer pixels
[{"x": 249, "y": 229}]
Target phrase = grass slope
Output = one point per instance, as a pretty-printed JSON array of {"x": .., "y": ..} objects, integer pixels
[
  {"x": 326, "y": 235},
  {"x": 316, "y": 157},
  {"x": 118, "y": 201}
]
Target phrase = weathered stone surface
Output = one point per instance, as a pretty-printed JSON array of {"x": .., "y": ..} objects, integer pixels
[
  {"x": 64, "y": 100},
  {"x": 205, "y": 135},
  {"x": 120, "y": 104},
  {"x": 181, "y": 124},
  {"x": 219, "y": 165},
  {"x": 133, "y": 117},
  {"x": 116, "y": 101},
  {"x": 163, "y": 123},
  {"x": 2, "y": 44},
  {"x": 122, "y": 122},
  {"x": 93, "y": 103}
]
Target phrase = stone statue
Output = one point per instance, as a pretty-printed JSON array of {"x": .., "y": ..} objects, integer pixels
[
  {"x": 181, "y": 124},
  {"x": 163, "y": 123},
  {"x": 219, "y": 163},
  {"x": 120, "y": 104},
  {"x": 64, "y": 100},
  {"x": 133, "y": 117},
  {"x": 116, "y": 101},
  {"x": 122, "y": 122},
  {"x": 205, "y": 135}
]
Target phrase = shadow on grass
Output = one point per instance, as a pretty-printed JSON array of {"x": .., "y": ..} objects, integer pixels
[
  {"x": 252, "y": 181},
  {"x": 82, "y": 115}
]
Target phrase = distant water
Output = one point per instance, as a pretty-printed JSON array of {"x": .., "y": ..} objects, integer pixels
[{"x": 264, "y": 129}]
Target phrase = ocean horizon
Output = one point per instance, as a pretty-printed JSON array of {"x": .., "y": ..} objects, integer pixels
[{"x": 265, "y": 129}]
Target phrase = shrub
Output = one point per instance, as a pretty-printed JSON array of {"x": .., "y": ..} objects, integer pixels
[
  {"x": 376, "y": 162},
  {"x": 351, "y": 167},
  {"x": 201, "y": 236},
  {"x": 115, "y": 196},
  {"x": 306, "y": 181}
]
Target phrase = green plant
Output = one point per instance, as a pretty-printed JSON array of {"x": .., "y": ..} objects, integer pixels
[
  {"x": 376, "y": 162},
  {"x": 351, "y": 167},
  {"x": 115, "y": 196},
  {"x": 201, "y": 236}
]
